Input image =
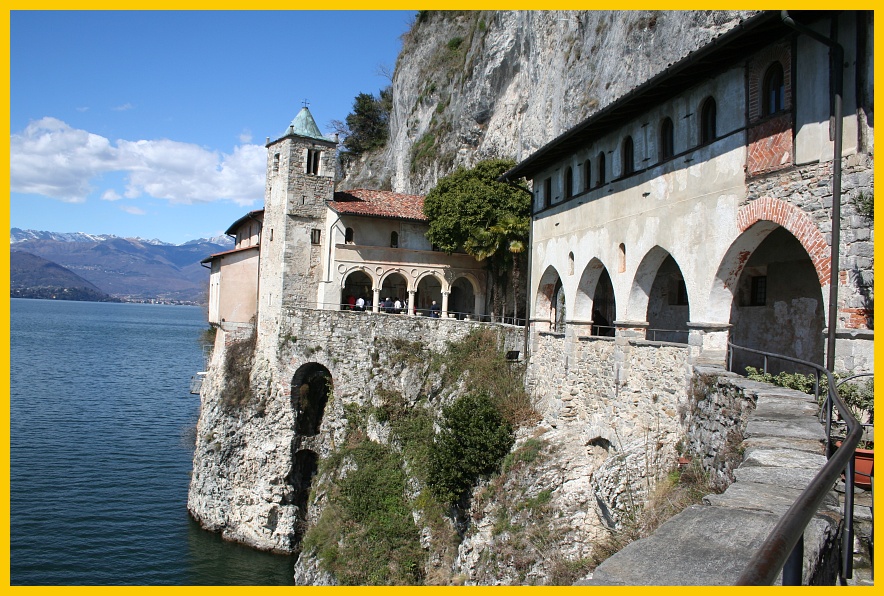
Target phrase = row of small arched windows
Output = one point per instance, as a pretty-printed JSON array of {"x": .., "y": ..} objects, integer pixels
[
  {"x": 349, "y": 238},
  {"x": 666, "y": 150},
  {"x": 773, "y": 101}
]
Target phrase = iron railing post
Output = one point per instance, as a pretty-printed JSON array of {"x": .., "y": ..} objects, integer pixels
[
  {"x": 847, "y": 533},
  {"x": 794, "y": 567}
]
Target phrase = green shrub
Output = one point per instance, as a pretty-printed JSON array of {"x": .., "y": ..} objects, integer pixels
[
  {"x": 472, "y": 440},
  {"x": 411, "y": 426}
]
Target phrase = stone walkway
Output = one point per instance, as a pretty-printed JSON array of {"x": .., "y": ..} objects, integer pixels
[{"x": 711, "y": 544}]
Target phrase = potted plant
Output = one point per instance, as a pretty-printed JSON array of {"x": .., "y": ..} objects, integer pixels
[{"x": 860, "y": 398}]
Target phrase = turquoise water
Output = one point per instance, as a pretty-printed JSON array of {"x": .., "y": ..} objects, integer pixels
[{"x": 101, "y": 435}]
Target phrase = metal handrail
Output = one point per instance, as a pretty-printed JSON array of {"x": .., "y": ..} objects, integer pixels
[{"x": 784, "y": 547}]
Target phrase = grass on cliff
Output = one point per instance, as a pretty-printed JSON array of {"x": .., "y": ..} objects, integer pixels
[
  {"x": 366, "y": 534},
  {"x": 479, "y": 361}
]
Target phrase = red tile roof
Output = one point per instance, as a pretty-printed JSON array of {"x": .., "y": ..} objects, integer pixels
[{"x": 379, "y": 203}]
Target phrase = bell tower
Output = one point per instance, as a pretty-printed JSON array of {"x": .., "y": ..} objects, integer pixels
[{"x": 299, "y": 180}]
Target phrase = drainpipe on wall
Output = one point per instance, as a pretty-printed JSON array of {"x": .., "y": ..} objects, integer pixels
[
  {"x": 836, "y": 74},
  {"x": 528, "y": 272}
]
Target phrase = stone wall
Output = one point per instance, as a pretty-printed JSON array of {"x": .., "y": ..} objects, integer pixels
[
  {"x": 715, "y": 420},
  {"x": 769, "y": 442},
  {"x": 620, "y": 398},
  {"x": 246, "y": 480}
]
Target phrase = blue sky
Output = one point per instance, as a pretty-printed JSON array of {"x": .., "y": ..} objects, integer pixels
[{"x": 153, "y": 124}]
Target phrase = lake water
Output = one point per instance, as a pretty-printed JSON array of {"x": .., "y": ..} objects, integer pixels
[{"x": 101, "y": 435}]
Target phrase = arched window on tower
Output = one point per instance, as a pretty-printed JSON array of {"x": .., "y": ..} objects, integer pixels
[
  {"x": 667, "y": 139},
  {"x": 313, "y": 156},
  {"x": 348, "y": 236},
  {"x": 773, "y": 98},
  {"x": 394, "y": 239},
  {"x": 708, "y": 116},
  {"x": 569, "y": 182}
]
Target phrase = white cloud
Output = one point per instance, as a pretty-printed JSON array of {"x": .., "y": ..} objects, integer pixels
[
  {"x": 123, "y": 108},
  {"x": 245, "y": 136},
  {"x": 52, "y": 159},
  {"x": 132, "y": 210}
]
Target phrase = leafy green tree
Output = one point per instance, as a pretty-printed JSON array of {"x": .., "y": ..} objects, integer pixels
[
  {"x": 367, "y": 126},
  {"x": 472, "y": 440},
  {"x": 471, "y": 210}
]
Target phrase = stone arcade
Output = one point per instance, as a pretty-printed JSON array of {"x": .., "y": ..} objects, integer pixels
[{"x": 697, "y": 207}]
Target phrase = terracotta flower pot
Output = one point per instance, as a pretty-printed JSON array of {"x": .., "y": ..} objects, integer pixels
[{"x": 863, "y": 468}]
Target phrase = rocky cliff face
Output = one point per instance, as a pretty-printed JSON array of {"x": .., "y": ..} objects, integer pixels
[{"x": 473, "y": 85}]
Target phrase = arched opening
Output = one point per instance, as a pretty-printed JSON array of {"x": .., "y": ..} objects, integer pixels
[
  {"x": 571, "y": 263},
  {"x": 621, "y": 261},
  {"x": 628, "y": 157},
  {"x": 311, "y": 387},
  {"x": 394, "y": 239},
  {"x": 560, "y": 310},
  {"x": 348, "y": 236},
  {"x": 667, "y": 139},
  {"x": 708, "y": 117},
  {"x": 395, "y": 287},
  {"x": 356, "y": 285},
  {"x": 569, "y": 182},
  {"x": 668, "y": 308},
  {"x": 428, "y": 298},
  {"x": 304, "y": 467},
  {"x": 595, "y": 299},
  {"x": 587, "y": 175},
  {"x": 604, "y": 307},
  {"x": 777, "y": 304},
  {"x": 773, "y": 95},
  {"x": 549, "y": 304},
  {"x": 462, "y": 301}
]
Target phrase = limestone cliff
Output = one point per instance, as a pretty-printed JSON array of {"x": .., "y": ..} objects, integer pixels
[{"x": 470, "y": 85}]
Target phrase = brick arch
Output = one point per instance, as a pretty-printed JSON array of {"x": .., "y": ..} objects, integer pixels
[{"x": 797, "y": 223}]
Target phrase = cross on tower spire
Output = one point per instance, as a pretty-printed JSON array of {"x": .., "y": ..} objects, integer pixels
[{"x": 305, "y": 103}]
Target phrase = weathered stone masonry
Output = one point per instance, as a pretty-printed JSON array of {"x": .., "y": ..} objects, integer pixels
[{"x": 249, "y": 473}]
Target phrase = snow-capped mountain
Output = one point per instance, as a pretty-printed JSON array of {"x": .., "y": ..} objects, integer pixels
[{"x": 19, "y": 235}]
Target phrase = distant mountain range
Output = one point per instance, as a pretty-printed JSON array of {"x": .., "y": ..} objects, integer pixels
[
  {"x": 31, "y": 276},
  {"x": 19, "y": 235},
  {"x": 125, "y": 268}
]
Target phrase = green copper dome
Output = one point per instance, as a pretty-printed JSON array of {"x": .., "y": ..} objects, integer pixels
[{"x": 304, "y": 126}]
